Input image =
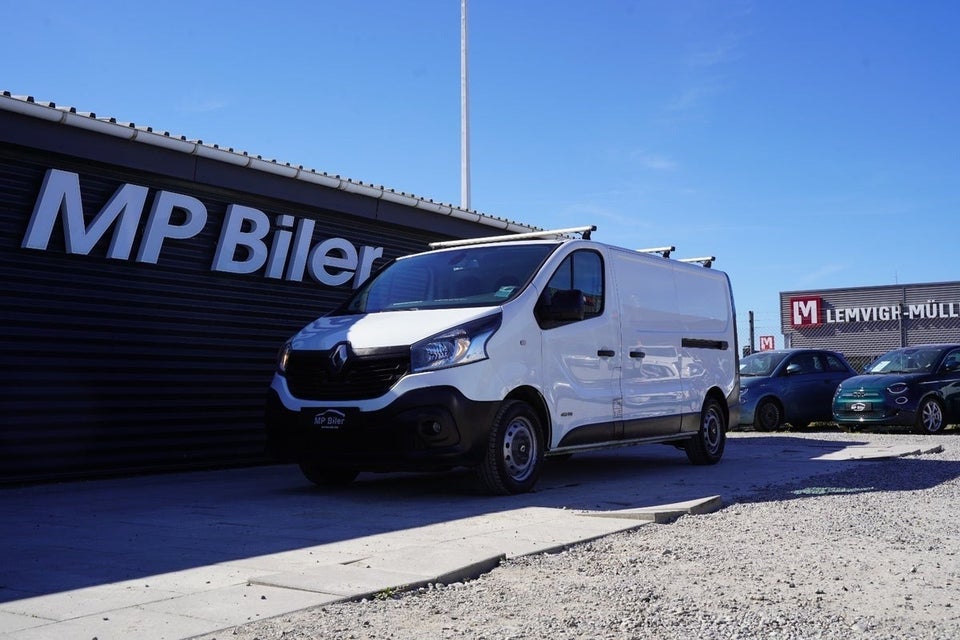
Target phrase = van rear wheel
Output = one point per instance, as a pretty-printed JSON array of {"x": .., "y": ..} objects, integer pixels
[
  {"x": 707, "y": 446},
  {"x": 514, "y": 455}
]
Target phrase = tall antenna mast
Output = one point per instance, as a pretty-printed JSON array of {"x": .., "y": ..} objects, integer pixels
[{"x": 464, "y": 113}]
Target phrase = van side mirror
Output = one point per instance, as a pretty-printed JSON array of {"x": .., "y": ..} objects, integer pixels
[{"x": 565, "y": 305}]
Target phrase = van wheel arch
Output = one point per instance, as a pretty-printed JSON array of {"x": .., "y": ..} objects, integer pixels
[{"x": 536, "y": 401}]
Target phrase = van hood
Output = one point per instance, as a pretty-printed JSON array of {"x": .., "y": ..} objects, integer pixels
[{"x": 386, "y": 329}]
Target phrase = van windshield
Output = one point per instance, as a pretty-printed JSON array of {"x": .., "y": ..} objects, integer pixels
[{"x": 459, "y": 277}]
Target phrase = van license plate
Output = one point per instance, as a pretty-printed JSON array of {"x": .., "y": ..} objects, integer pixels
[{"x": 328, "y": 418}]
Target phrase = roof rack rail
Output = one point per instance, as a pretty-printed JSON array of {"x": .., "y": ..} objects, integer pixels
[
  {"x": 663, "y": 251},
  {"x": 555, "y": 233},
  {"x": 706, "y": 261}
]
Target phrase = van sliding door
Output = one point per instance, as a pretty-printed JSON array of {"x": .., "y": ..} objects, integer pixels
[{"x": 650, "y": 359}]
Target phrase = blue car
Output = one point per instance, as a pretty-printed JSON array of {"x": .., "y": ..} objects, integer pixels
[
  {"x": 789, "y": 386},
  {"x": 917, "y": 387}
]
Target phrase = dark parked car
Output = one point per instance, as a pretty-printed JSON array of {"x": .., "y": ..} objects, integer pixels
[
  {"x": 792, "y": 386},
  {"x": 916, "y": 387}
]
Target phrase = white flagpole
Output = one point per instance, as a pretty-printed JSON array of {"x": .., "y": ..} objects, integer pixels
[{"x": 464, "y": 113}]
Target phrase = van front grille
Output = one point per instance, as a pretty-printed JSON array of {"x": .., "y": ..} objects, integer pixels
[{"x": 312, "y": 376}]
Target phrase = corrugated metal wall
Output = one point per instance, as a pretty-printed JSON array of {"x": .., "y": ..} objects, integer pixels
[
  {"x": 114, "y": 366},
  {"x": 863, "y": 341}
]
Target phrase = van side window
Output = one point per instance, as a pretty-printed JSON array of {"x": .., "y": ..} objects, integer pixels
[{"x": 583, "y": 271}]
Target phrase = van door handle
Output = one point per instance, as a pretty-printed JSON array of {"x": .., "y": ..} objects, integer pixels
[
  {"x": 606, "y": 353},
  {"x": 637, "y": 354}
]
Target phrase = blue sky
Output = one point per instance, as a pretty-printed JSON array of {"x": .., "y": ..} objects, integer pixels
[{"x": 808, "y": 145}]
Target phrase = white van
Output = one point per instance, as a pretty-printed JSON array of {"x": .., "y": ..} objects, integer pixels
[{"x": 495, "y": 353}]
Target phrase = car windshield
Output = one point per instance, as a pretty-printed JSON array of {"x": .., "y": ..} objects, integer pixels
[
  {"x": 462, "y": 277},
  {"x": 909, "y": 360},
  {"x": 760, "y": 364}
]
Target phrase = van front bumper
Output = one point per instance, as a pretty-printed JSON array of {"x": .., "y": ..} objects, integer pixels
[{"x": 424, "y": 429}]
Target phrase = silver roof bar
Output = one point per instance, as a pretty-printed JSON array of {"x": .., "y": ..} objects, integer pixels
[
  {"x": 706, "y": 261},
  {"x": 555, "y": 233},
  {"x": 663, "y": 251}
]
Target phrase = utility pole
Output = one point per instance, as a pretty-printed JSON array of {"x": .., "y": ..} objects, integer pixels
[{"x": 464, "y": 113}]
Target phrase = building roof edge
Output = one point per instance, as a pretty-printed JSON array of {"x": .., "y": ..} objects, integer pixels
[{"x": 69, "y": 116}]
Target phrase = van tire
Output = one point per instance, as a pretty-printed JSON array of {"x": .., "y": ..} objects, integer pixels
[
  {"x": 514, "y": 455},
  {"x": 707, "y": 446},
  {"x": 324, "y": 476}
]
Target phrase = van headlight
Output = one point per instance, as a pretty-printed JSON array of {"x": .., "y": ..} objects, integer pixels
[
  {"x": 460, "y": 345},
  {"x": 283, "y": 357}
]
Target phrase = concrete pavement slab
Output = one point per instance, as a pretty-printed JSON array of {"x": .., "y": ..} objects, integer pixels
[
  {"x": 345, "y": 581},
  {"x": 122, "y": 624},
  {"x": 444, "y": 563},
  {"x": 84, "y": 602},
  {"x": 872, "y": 452},
  {"x": 663, "y": 514},
  {"x": 10, "y": 622},
  {"x": 296, "y": 560},
  {"x": 238, "y": 604}
]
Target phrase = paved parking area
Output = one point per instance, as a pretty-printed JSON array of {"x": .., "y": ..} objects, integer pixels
[{"x": 178, "y": 555}]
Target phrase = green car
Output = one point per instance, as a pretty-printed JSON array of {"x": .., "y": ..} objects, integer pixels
[{"x": 917, "y": 387}]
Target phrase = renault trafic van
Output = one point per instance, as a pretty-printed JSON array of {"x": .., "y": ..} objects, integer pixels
[{"x": 497, "y": 352}]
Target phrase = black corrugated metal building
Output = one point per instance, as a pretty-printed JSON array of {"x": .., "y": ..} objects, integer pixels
[
  {"x": 148, "y": 280},
  {"x": 865, "y": 322}
]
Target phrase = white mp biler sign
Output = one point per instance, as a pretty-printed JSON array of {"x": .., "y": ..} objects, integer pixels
[
  {"x": 809, "y": 311},
  {"x": 242, "y": 244}
]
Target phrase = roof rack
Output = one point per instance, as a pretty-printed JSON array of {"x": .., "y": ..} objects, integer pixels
[
  {"x": 555, "y": 233},
  {"x": 706, "y": 261},
  {"x": 663, "y": 251}
]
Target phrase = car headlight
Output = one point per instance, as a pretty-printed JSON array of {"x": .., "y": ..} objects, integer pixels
[
  {"x": 460, "y": 345},
  {"x": 283, "y": 357},
  {"x": 897, "y": 388}
]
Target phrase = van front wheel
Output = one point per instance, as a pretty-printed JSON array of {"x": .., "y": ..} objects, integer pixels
[
  {"x": 514, "y": 453},
  {"x": 707, "y": 446},
  {"x": 324, "y": 476}
]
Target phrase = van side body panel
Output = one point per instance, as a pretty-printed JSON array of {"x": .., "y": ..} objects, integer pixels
[{"x": 676, "y": 345}]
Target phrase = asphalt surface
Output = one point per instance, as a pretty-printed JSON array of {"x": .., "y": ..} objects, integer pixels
[{"x": 178, "y": 555}]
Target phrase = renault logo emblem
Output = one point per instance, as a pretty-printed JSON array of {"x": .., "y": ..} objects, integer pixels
[{"x": 339, "y": 356}]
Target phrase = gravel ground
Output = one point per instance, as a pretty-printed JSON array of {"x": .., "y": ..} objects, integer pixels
[{"x": 871, "y": 552}]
